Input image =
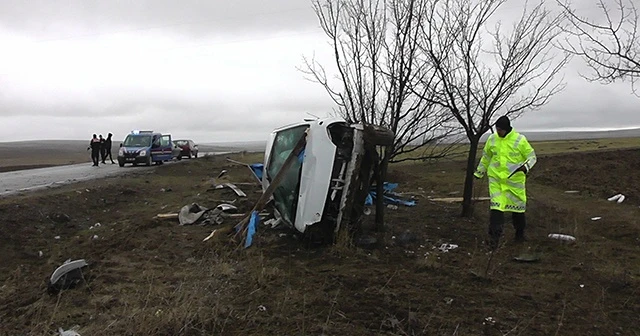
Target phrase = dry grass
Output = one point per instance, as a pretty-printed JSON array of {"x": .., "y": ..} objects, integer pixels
[{"x": 154, "y": 277}]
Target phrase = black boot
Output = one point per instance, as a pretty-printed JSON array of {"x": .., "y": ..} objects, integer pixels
[{"x": 519, "y": 224}]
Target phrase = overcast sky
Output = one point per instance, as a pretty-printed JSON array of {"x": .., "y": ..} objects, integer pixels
[{"x": 207, "y": 70}]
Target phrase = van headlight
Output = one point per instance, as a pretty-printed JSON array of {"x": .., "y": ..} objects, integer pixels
[
  {"x": 121, "y": 151},
  {"x": 143, "y": 152}
]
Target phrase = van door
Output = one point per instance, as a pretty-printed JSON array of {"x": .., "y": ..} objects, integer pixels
[{"x": 167, "y": 146}]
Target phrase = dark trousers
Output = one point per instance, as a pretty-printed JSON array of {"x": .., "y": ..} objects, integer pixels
[
  {"x": 107, "y": 154},
  {"x": 95, "y": 156},
  {"x": 496, "y": 225}
]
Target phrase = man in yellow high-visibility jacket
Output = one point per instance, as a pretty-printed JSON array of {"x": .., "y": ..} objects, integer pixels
[{"x": 506, "y": 160}]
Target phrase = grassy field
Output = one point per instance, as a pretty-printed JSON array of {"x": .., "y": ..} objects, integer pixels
[{"x": 154, "y": 277}]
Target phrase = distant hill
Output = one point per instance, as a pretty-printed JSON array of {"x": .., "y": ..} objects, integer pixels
[
  {"x": 250, "y": 146},
  {"x": 576, "y": 135},
  {"x": 582, "y": 135}
]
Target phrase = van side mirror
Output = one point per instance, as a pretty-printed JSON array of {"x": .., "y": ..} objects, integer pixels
[{"x": 121, "y": 144}]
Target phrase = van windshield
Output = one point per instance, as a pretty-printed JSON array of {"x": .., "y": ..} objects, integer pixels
[
  {"x": 286, "y": 194},
  {"x": 137, "y": 141}
]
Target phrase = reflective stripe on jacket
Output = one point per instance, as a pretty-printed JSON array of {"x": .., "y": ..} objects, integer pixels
[{"x": 500, "y": 158}]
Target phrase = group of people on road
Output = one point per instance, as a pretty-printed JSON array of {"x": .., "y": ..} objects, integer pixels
[{"x": 100, "y": 149}]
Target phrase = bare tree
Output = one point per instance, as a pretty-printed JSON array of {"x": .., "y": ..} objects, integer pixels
[
  {"x": 484, "y": 69},
  {"x": 375, "y": 46},
  {"x": 610, "y": 47}
]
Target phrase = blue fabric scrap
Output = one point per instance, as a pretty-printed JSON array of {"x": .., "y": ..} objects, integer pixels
[
  {"x": 251, "y": 229},
  {"x": 257, "y": 169}
]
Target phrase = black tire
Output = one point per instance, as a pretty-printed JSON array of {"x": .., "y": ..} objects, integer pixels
[
  {"x": 189, "y": 155},
  {"x": 121, "y": 164},
  {"x": 179, "y": 157},
  {"x": 196, "y": 155},
  {"x": 148, "y": 163}
]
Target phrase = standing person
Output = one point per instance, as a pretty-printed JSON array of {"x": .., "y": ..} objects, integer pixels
[
  {"x": 102, "y": 149},
  {"x": 94, "y": 146},
  {"x": 107, "y": 149},
  {"x": 507, "y": 159}
]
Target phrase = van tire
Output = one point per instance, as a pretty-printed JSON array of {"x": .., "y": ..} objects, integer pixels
[{"x": 148, "y": 163}]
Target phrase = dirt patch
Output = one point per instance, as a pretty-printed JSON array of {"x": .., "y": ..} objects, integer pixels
[{"x": 154, "y": 277}]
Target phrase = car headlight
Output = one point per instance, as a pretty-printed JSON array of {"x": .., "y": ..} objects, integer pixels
[
  {"x": 143, "y": 152},
  {"x": 121, "y": 152}
]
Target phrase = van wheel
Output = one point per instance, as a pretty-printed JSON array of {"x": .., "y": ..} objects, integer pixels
[
  {"x": 148, "y": 163},
  {"x": 121, "y": 164}
]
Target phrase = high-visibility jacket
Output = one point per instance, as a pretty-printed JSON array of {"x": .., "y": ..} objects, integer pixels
[{"x": 500, "y": 158}]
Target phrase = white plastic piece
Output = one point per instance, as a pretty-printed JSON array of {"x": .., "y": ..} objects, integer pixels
[
  {"x": 614, "y": 197},
  {"x": 596, "y": 218},
  {"x": 560, "y": 236},
  {"x": 69, "y": 332},
  {"x": 67, "y": 267},
  {"x": 447, "y": 247},
  {"x": 621, "y": 199}
]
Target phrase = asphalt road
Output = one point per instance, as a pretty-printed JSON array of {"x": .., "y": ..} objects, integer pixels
[
  {"x": 42, "y": 178},
  {"x": 20, "y": 181}
]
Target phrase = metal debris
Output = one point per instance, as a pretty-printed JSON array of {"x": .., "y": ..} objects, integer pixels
[{"x": 446, "y": 247}]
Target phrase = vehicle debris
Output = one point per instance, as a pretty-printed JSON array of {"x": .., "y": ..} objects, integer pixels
[
  {"x": 66, "y": 276},
  {"x": 618, "y": 198},
  {"x": 251, "y": 228},
  {"x": 562, "y": 237},
  {"x": 166, "y": 216},
  {"x": 227, "y": 207},
  {"x": 70, "y": 332},
  {"x": 596, "y": 218},
  {"x": 446, "y": 247},
  {"x": 194, "y": 213},
  {"x": 210, "y": 235},
  {"x": 390, "y": 197},
  {"x": 256, "y": 169},
  {"x": 231, "y": 186}
]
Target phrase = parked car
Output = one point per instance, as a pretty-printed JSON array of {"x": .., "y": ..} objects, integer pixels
[
  {"x": 189, "y": 148},
  {"x": 145, "y": 147}
]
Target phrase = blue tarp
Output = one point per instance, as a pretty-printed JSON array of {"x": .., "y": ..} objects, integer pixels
[
  {"x": 251, "y": 229},
  {"x": 389, "y": 196}
]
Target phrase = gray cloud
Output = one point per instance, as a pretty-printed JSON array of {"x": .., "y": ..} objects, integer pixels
[
  {"x": 76, "y": 18},
  {"x": 207, "y": 70}
]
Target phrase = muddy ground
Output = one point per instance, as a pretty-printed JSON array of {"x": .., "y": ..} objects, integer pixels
[{"x": 155, "y": 277}]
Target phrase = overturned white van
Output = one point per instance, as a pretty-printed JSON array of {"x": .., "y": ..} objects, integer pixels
[{"x": 327, "y": 185}]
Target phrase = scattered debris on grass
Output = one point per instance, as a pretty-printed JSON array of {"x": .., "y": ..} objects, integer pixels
[
  {"x": 70, "y": 332},
  {"x": 68, "y": 275},
  {"x": 618, "y": 198}
]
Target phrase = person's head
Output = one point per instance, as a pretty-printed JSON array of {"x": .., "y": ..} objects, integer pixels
[
  {"x": 94, "y": 136},
  {"x": 109, "y": 135},
  {"x": 100, "y": 136},
  {"x": 503, "y": 126}
]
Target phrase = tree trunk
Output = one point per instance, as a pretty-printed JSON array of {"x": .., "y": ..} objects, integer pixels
[
  {"x": 381, "y": 178},
  {"x": 467, "y": 202}
]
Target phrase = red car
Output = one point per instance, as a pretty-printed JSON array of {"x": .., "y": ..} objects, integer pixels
[{"x": 188, "y": 148}]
